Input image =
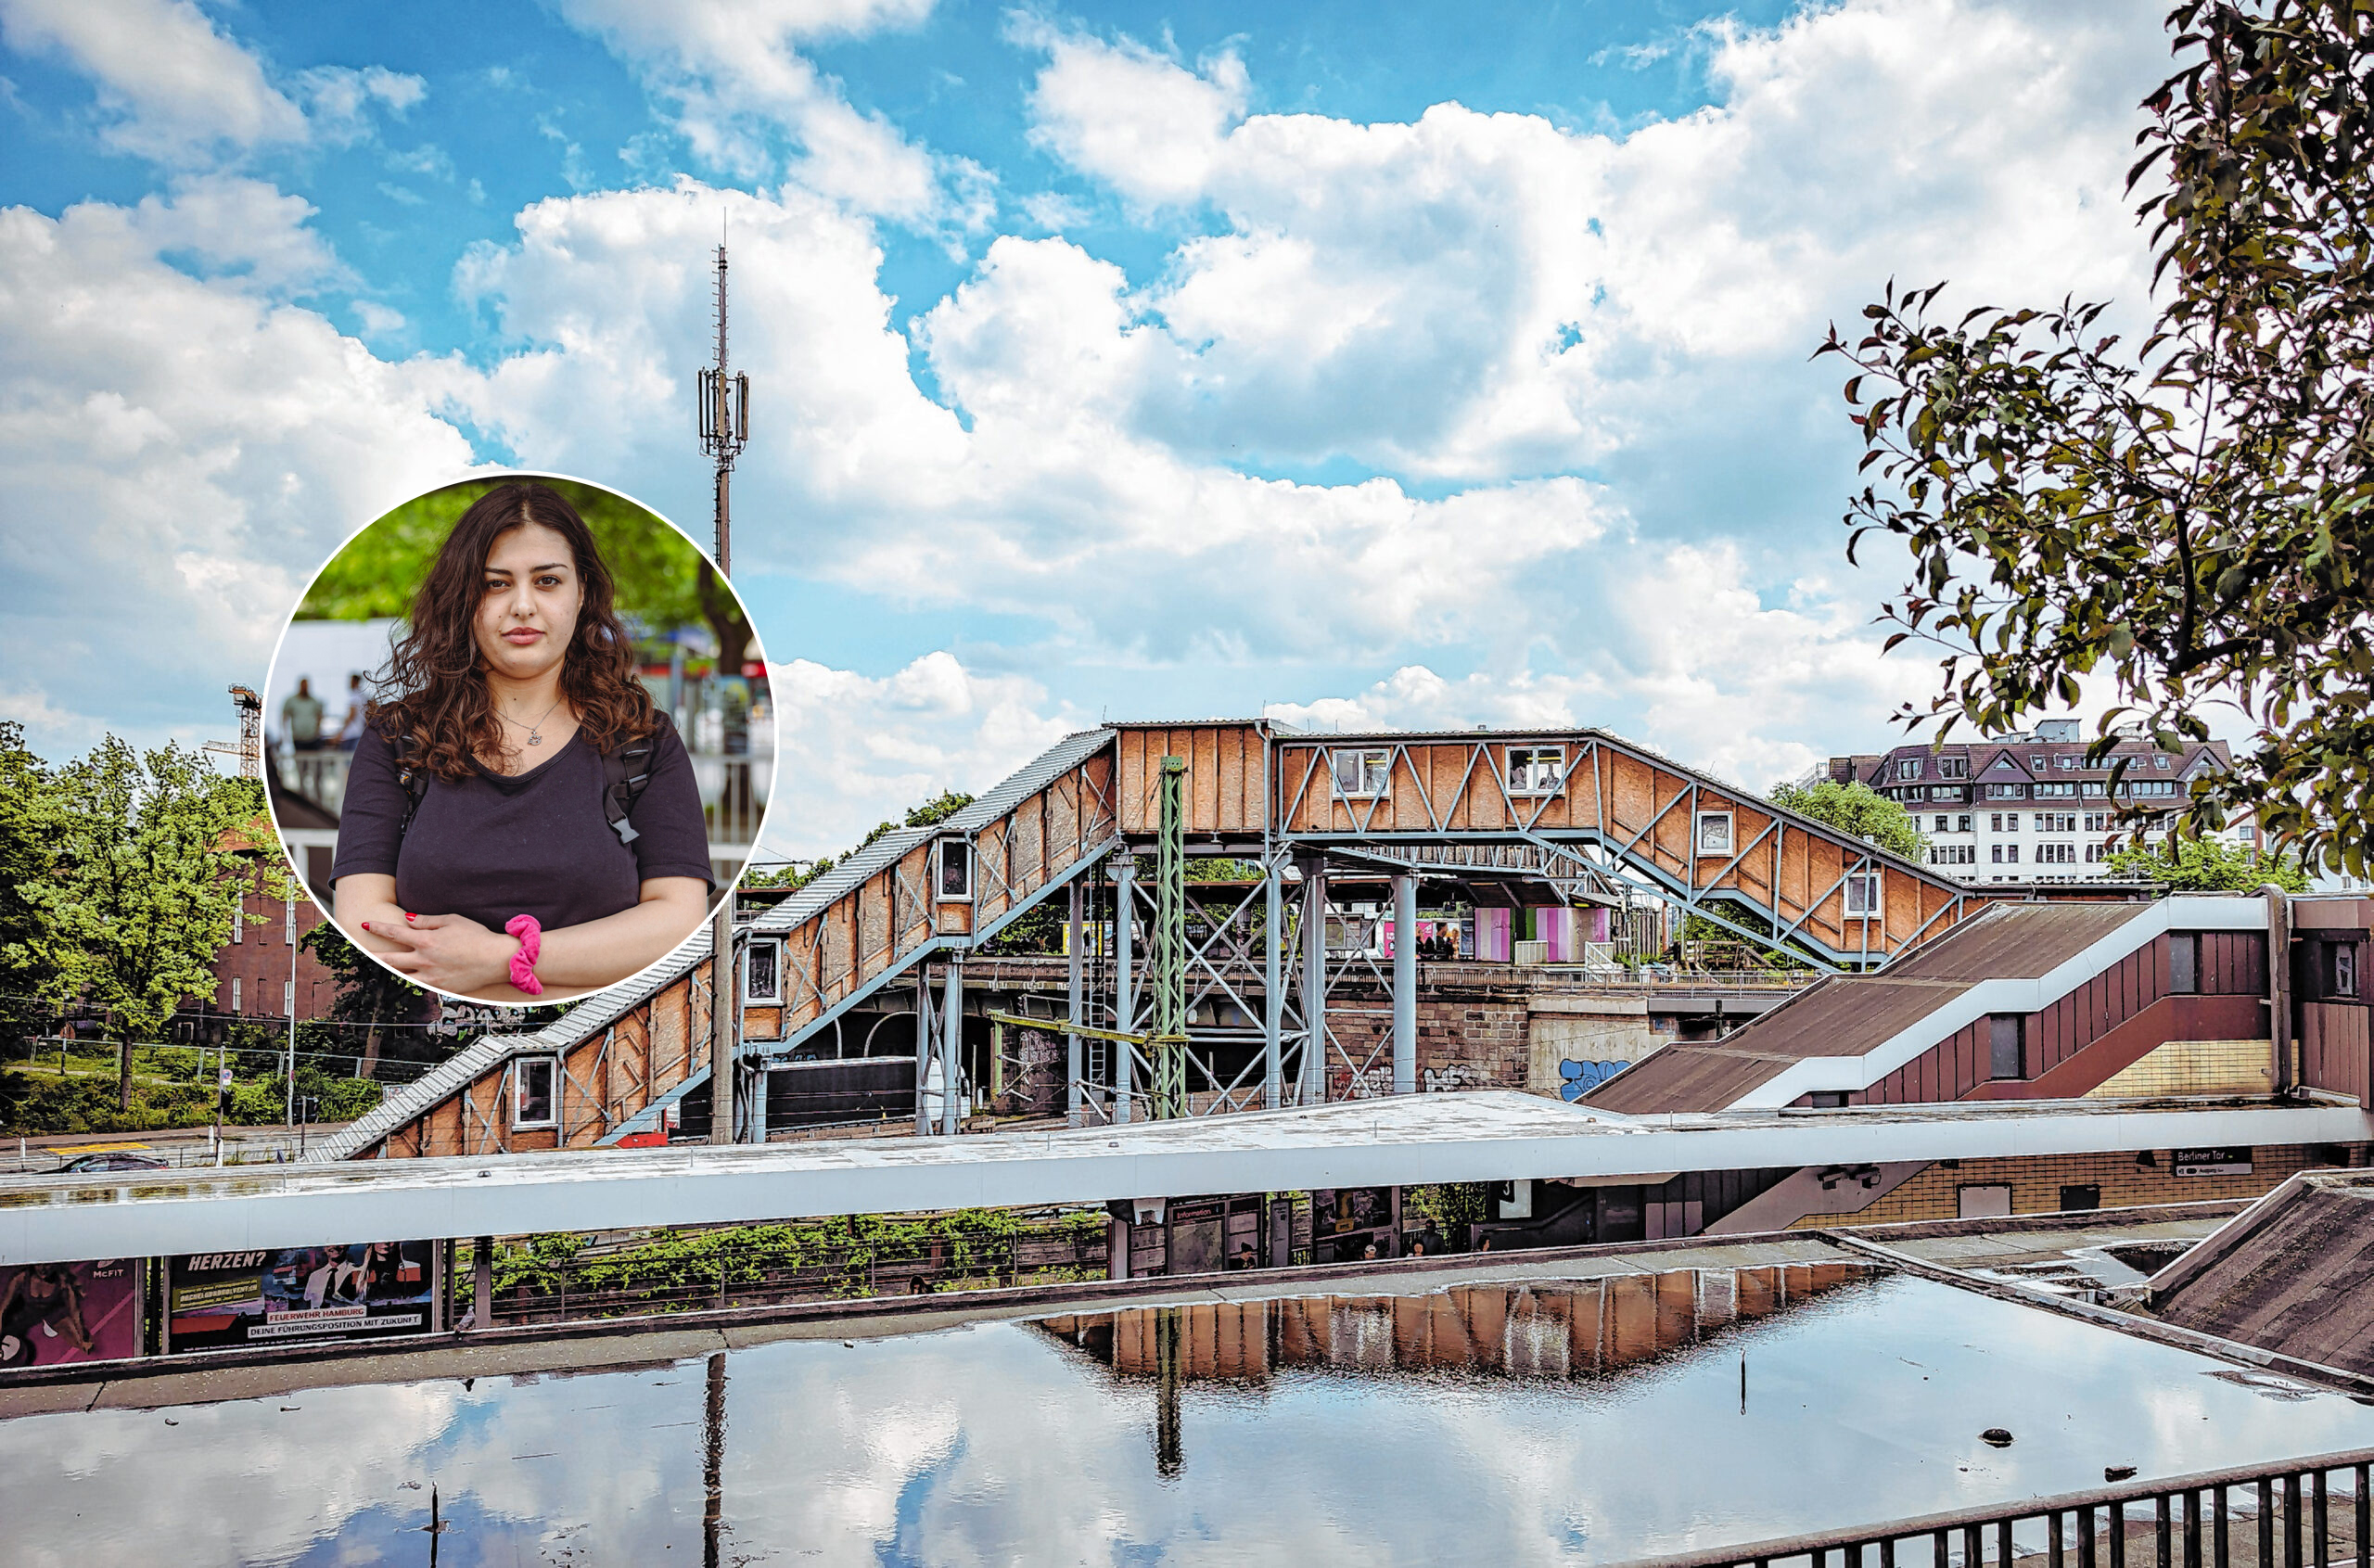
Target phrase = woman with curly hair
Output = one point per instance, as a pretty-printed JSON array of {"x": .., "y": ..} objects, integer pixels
[{"x": 486, "y": 846}]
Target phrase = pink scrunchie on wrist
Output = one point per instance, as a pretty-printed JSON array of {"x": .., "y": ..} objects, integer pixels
[{"x": 531, "y": 945}]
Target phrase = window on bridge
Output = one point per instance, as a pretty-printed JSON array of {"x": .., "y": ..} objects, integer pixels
[
  {"x": 762, "y": 972},
  {"x": 1360, "y": 772},
  {"x": 1714, "y": 833},
  {"x": 1533, "y": 769},
  {"x": 954, "y": 875},
  {"x": 532, "y": 1100},
  {"x": 1863, "y": 894}
]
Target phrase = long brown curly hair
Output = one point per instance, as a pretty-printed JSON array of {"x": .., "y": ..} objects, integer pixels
[{"x": 440, "y": 680}]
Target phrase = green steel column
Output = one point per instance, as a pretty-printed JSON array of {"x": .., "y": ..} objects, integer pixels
[{"x": 1171, "y": 946}]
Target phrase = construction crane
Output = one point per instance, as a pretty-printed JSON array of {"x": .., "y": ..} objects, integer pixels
[{"x": 248, "y": 747}]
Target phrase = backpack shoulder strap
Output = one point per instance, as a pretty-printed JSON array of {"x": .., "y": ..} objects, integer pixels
[
  {"x": 625, "y": 771},
  {"x": 413, "y": 780}
]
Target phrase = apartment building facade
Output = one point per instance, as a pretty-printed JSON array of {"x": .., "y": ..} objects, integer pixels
[{"x": 2032, "y": 807}]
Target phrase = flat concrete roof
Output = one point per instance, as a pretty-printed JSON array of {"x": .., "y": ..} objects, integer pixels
[{"x": 1479, "y": 1136}]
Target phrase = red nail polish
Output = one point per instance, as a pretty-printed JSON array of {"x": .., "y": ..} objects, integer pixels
[
  {"x": 367, "y": 925},
  {"x": 407, "y": 915}
]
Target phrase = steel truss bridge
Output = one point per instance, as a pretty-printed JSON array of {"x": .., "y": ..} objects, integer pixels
[{"x": 1102, "y": 828}]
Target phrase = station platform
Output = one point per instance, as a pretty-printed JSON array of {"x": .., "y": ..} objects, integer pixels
[{"x": 1481, "y": 1136}]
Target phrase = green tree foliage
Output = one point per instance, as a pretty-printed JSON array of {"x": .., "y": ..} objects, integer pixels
[
  {"x": 154, "y": 855},
  {"x": 28, "y": 855},
  {"x": 2206, "y": 865},
  {"x": 1856, "y": 808},
  {"x": 663, "y": 582},
  {"x": 968, "y": 1246},
  {"x": 799, "y": 874},
  {"x": 2188, "y": 516},
  {"x": 369, "y": 993}
]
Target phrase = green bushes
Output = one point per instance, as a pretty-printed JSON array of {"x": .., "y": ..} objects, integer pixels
[
  {"x": 33, "y": 1102},
  {"x": 966, "y": 1245}
]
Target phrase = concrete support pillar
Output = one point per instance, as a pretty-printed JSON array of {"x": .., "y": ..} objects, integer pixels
[
  {"x": 923, "y": 1050},
  {"x": 720, "y": 1023},
  {"x": 1405, "y": 985},
  {"x": 1074, "y": 932},
  {"x": 2278, "y": 988},
  {"x": 1116, "y": 1249},
  {"x": 952, "y": 1047},
  {"x": 1313, "y": 1087},
  {"x": 1125, "y": 992},
  {"x": 757, "y": 1116},
  {"x": 1273, "y": 986},
  {"x": 483, "y": 1283}
]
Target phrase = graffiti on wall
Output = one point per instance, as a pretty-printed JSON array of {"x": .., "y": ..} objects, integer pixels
[{"x": 1579, "y": 1078}]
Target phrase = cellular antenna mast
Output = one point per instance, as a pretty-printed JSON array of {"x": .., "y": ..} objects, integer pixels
[
  {"x": 725, "y": 423},
  {"x": 726, "y": 430}
]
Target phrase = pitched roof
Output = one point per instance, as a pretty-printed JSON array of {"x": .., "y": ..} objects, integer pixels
[
  {"x": 1853, "y": 1015},
  {"x": 2291, "y": 1274}
]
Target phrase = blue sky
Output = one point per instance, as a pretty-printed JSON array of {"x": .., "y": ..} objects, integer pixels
[{"x": 1408, "y": 366}]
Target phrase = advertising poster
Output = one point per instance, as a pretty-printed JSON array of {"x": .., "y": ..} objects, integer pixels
[
  {"x": 52, "y": 1313},
  {"x": 365, "y": 1289}
]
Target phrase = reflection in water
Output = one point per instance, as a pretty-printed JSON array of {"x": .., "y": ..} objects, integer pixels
[
  {"x": 1550, "y": 1329},
  {"x": 1549, "y": 1423},
  {"x": 713, "y": 1458}
]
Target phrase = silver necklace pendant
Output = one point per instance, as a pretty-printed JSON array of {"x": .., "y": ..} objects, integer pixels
[{"x": 535, "y": 739}]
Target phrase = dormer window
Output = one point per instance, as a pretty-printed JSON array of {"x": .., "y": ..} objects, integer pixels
[
  {"x": 2161, "y": 762},
  {"x": 1908, "y": 768},
  {"x": 1953, "y": 767}
]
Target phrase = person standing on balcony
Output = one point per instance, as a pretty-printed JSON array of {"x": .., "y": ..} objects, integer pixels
[
  {"x": 520, "y": 820},
  {"x": 350, "y": 723},
  {"x": 300, "y": 717}
]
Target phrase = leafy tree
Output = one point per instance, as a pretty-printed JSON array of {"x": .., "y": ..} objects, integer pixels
[
  {"x": 2206, "y": 865},
  {"x": 369, "y": 993},
  {"x": 1856, "y": 808},
  {"x": 2188, "y": 516},
  {"x": 662, "y": 582},
  {"x": 799, "y": 874},
  {"x": 28, "y": 855},
  {"x": 154, "y": 856}
]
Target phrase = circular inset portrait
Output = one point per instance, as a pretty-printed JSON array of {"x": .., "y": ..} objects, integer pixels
[{"x": 519, "y": 738}]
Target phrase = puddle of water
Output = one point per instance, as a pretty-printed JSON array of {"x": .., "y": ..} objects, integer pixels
[{"x": 1555, "y": 1422}]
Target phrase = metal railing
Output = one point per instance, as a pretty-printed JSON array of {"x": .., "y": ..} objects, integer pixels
[{"x": 2291, "y": 1513}]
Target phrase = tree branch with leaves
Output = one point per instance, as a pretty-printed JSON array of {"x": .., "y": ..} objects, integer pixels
[{"x": 2187, "y": 517}]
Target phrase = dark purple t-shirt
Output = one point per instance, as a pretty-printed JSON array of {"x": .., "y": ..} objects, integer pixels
[{"x": 538, "y": 843}]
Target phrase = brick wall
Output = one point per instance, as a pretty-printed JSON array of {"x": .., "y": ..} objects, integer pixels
[
  {"x": 1464, "y": 1041},
  {"x": 259, "y": 960},
  {"x": 2035, "y": 1182}
]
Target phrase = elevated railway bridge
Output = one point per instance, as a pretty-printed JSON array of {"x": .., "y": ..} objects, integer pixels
[{"x": 1234, "y": 997}]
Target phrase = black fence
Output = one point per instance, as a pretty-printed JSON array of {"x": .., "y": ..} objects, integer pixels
[{"x": 2292, "y": 1514}]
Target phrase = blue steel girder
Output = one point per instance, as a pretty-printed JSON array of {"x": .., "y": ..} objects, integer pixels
[
  {"x": 933, "y": 947},
  {"x": 1297, "y": 785}
]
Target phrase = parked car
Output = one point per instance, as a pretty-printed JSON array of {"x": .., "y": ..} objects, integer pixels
[{"x": 121, "y": 1159}]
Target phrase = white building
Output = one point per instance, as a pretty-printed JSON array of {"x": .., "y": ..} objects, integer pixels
[{"x": 2030, "y": 807}]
